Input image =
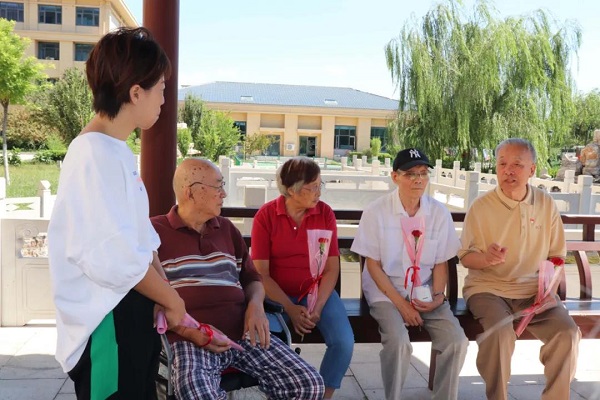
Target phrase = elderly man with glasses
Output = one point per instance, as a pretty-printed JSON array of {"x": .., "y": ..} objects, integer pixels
[
  {"x": 206, "y": 260},
  {"x": 406, "y": 238}
]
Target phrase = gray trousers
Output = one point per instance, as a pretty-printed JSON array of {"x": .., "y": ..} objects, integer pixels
[
  {"x": 447, "y": 337},
  {"x": 554, "y": 327}
]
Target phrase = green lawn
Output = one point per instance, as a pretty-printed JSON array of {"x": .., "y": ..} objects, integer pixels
[{"x": 26, "y": 177}]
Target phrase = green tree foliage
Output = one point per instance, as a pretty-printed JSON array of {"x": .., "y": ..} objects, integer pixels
[
  {"x": 256, "y": 143},
  {"x": 18, "y": 76},
  {"x": 26, "y": 132},
  {"x": 67, "y": 105},
  {"x": 184, "y": 139},
  {"x": 469, "y": 81},
  {"x": 217, "y": 135},
  {"x": 191, "y": 114},
  {"x": 587, "y": 117}
]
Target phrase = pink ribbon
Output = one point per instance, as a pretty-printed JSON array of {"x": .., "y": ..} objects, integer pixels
[{"x": 544, "y": 289}]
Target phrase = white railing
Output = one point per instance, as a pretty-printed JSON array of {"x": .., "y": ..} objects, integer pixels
[{"x": 350, "y": 187}]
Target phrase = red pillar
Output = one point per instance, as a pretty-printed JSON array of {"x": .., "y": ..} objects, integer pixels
[{"x": 159, "y": 143}]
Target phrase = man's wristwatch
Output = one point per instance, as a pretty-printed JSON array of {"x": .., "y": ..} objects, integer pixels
[{"x": 441, "y": 294}]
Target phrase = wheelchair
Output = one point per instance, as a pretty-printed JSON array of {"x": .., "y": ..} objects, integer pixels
[{"x": 231, "y": 379}]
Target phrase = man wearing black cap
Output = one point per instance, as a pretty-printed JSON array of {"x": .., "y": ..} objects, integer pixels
[{"x": 405, "y": 276}]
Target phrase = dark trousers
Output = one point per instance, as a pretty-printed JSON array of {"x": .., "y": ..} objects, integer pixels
[{"x": 120, "y": 360}]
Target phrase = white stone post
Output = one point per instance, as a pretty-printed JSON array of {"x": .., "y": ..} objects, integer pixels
[
  {"x": 477, "y": 167},
  {"x": 569, "y": 180},
  {"x": 585, "y": 194},
  {"x": 45, "y": 199},
  {"x": 254, "y": 197},
  {"x": 471, "y": 188},
  {"x": 455, "y": 173},
  {"x": 2, "y": 196},
  {"x": 437, "y": 171},
  {"x": 354, "y": 159},
  {"x": 357, "y": 163},
  {"x": 375, "y": 167},
  {"x": 364, "y": 161},
  {"x": 387, "y": 162}
]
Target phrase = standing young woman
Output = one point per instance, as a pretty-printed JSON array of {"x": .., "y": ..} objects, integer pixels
[{"x": 102, "y": 247}]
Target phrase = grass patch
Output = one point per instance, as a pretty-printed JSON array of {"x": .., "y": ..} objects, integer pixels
[{"x": 25, "y": 178}]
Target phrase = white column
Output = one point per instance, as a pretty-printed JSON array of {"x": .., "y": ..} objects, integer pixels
[
  {"x": 585, "y": 194},
  {"x": 45, "y": 199},
  {"x": 471, "y": 188}
]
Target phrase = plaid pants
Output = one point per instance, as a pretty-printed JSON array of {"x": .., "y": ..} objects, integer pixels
[{"x": 280, "y": 372}]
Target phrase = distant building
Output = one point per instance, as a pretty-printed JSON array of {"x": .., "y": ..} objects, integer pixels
[
  {"x": 314, "y": 121},
  {"x": 63, "y": 32}
]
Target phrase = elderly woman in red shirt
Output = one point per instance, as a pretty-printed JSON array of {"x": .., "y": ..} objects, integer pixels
[{"x": 284, "y": 248}]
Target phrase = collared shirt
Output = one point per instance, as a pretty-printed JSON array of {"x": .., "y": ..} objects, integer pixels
[
  {"x": 209, "y": 270},
  {"x": 380, "y": 238},
  {"x": 100, "y": 240},
  {"x": 278, "y": 239},
  {"x": 531, "y": 230}
]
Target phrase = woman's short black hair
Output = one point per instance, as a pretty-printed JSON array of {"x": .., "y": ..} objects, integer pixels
[{"x": 121, "y": 59}]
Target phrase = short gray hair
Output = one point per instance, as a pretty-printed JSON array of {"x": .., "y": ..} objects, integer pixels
[{"x": 524, "y": 143}]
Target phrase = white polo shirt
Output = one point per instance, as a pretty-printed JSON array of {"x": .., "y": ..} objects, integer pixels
[{"x": 380, "y": 237}]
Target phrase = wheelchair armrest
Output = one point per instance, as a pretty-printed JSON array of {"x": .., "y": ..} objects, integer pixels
[{"x": 272, "y": 307}]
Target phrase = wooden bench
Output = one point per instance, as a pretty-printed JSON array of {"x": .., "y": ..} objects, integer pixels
[{"x": 585, "y": 310}]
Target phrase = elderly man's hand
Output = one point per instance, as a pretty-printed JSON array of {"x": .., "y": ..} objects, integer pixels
[
  {"x": 495, "y": 254},
  {"x": 256, "y": 325}
]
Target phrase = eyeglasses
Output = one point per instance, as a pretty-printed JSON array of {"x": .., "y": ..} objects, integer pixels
[
  {"x": 314, "y": 189},
  {"x": 220, "y": 187},
  {"x": 414, "y": 175}
]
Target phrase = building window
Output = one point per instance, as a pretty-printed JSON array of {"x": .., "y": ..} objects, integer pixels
[
  {"x": 345, "y": 137},
  {"x": 274, "y": 148},
  {"x": 48, "y": 51},
  {"x": 379, "y": 133},
  {"x": 82, "y": 51},
  {"x": 50, "y": 15},
  {"x": 87, "y": 16},
  {"x": 241, "y": 125},
  {"x": 11, "y": 11}
]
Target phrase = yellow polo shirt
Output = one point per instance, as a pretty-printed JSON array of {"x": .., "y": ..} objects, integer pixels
[{"x": 531, "y": 230}]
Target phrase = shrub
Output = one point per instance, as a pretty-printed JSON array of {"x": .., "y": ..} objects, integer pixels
[
  {"x": 184, "y": 138},
  {"x": 50, "y": 156},
  {"x": 14, "y": 157},
  {"x": 24, "y": 131},
  {"x": 133, "y": 141},
  {"x": 375, "y": 147}
]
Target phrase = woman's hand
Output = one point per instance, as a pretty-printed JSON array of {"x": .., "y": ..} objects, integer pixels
[{"x": 301, "y": 319}]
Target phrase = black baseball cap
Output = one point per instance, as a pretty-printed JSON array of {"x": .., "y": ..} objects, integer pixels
[{"x": 408, "y": 158}]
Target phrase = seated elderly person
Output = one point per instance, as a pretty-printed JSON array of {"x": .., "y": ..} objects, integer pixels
[
  {"x": 294, "y": 247},
  {"x": 206, "y": 260}
]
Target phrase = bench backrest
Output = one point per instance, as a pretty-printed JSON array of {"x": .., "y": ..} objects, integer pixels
[{"x": 579, "y": 248}]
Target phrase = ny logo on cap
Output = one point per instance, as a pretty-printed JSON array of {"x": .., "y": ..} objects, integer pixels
[{"x": 414, "y": 153}]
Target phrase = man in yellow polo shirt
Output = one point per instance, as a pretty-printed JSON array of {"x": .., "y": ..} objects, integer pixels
[{"x": 507, "y": 232}]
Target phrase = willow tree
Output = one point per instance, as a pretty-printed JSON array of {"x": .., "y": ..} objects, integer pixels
[{"x": 467, "y": 81}]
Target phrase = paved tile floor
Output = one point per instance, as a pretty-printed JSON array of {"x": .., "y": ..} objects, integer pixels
[{"x": 28, "y": 370}]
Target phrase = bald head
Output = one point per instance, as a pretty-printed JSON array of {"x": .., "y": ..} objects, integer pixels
[{"x": 192, "y": 170}]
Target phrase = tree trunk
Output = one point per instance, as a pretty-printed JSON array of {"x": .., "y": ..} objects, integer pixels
[{"x": 4, "y": 147}]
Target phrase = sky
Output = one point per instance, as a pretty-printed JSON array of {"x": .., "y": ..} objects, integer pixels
[{"x": 332, "y": 42}]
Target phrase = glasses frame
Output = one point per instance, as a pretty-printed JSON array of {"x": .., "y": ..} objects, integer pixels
[
  {"x": 315, "y": 189},
  {"x": 221, "y": 186},
  {"x": 412, "y": 176}
]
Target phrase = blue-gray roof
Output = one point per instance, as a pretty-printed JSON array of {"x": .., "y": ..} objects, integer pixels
[{"x": 288, "y": 95}]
